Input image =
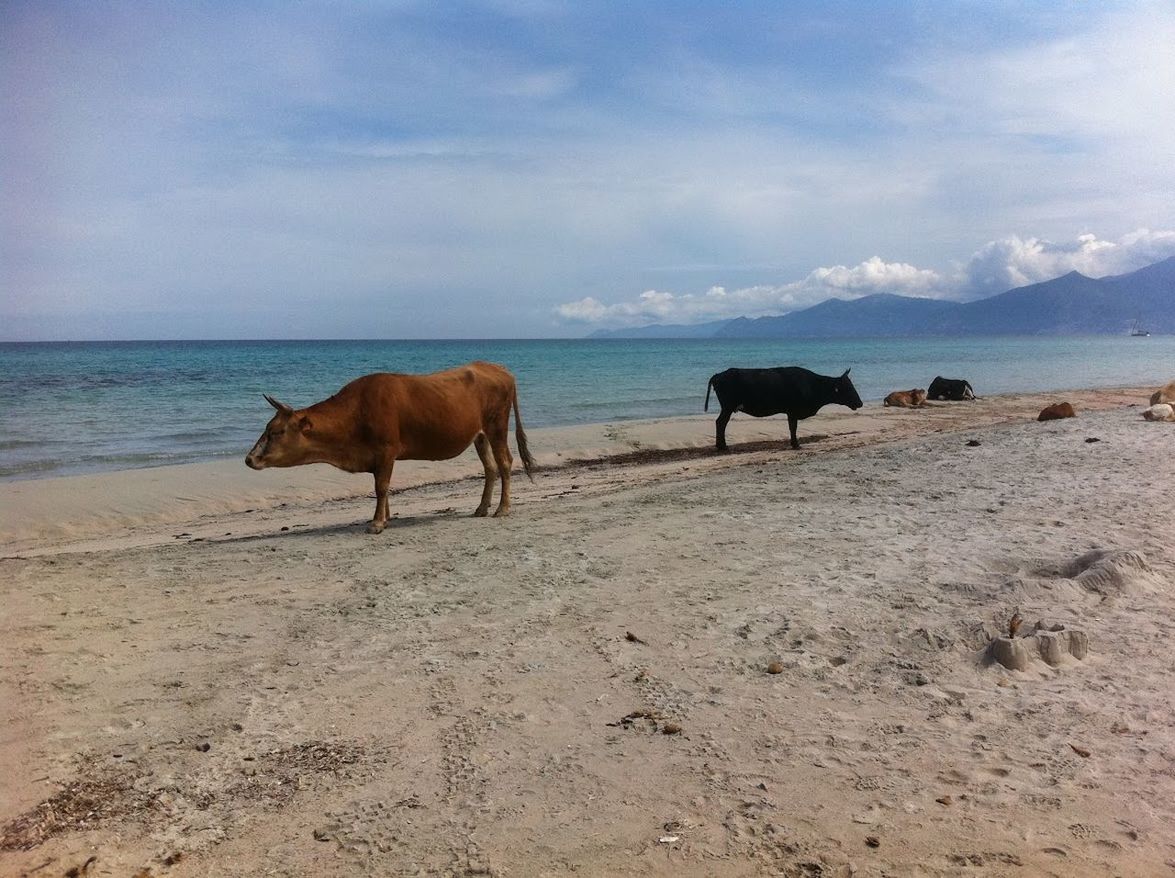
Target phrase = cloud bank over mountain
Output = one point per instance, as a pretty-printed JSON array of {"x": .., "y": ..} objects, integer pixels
[{"x": 996, "y": 266}]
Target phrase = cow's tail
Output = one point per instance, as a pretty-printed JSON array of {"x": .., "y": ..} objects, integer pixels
[
  {"x": 520, "y": 437},
  {"x": 706, "y": 405}
]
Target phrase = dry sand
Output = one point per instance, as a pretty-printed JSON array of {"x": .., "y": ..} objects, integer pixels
[{"x": 210, "y": 671}]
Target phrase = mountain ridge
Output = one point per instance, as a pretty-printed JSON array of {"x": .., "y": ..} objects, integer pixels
[{"x": 1071, "y": 304}]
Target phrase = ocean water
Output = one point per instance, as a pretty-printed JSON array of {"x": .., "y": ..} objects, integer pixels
[{"x": 91, "y": 406}]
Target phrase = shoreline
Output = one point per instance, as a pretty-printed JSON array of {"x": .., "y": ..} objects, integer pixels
[
  {"x": 80, "y": 415},
  {"x": 135, "y": 505}
]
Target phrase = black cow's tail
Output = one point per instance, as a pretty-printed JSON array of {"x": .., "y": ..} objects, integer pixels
[
  {"x": 706, "y": 406},
  {"x": 520, "y": 438}
]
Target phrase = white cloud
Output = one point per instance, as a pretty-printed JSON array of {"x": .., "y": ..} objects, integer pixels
[
  {"x": 1015, "y": 262},
  {"x": 875, "y": 276},
  {"x": 993, "y": 268},
  {"x": 717, "y": 303},
  {"x": 1104, "y": 80}
]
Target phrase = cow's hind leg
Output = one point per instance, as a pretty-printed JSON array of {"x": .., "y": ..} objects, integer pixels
[
  {"x": 792, "y": 423},
  {"x": 720, "y": 429},
  {"x": 482, "y": 444},
  {"x": 383, "y": 478},
  {"x": 499, "y": 435}
]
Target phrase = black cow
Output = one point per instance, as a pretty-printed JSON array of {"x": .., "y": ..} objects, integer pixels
[
  {"x": 950, "y": 388},
  {"x": 791, "y": 390}
]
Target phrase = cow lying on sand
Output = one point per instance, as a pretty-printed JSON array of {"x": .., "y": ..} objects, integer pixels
[
  {"x": 906, "y": 398},
  {"x": 789, "y": 390},
  {"x": 379, "y": 419},
  {"x": 950, "y": 388},
  {"x": 1057, "y": 411}
]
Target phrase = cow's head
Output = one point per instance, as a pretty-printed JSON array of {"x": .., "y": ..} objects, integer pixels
[
  {"x": 286, "y": 440},
  {"x": 919, "y": 395},
  {"x": 845, "y": 393}
]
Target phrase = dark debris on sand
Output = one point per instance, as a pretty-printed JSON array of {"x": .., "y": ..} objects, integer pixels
[{"x": 82, "y": 804}]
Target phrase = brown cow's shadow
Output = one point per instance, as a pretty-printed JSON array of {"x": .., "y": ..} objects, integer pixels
[
  {"x": 297, "y": 532},
  {"x": 394, "y": 523},
  {"x": 671, "y": 455}
]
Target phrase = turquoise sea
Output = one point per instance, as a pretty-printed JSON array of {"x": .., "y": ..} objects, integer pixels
[{"x": 91, "y": 406}]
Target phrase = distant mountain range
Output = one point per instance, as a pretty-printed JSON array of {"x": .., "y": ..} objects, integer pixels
[{"x": 1069, "y": 305}]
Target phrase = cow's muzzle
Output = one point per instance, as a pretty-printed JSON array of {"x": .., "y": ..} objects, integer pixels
[{"x": 253, "y": 463}]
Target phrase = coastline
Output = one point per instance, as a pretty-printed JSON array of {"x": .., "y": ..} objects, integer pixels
[
  {"x": 140, "y": 505},
  {"x": 104, "y": 409},
  {"x": 665, "y": 662}
]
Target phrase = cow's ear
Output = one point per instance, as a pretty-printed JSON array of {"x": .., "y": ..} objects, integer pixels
[
  {"x": 280, "y": 406},
  {"x": 305, "y": 425}
]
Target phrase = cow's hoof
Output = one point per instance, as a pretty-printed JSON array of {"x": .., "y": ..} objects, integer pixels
[
  {"x": 481, "y": 512},
  {"x": 374, "y": 528},
  {"x": 722, "y": 449},
  {"x": 502, "y": 512}
]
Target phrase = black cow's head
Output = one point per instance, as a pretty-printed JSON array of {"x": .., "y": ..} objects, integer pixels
[{"x": 845, "y": 393}]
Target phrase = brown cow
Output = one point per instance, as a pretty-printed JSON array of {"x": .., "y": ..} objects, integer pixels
[
  {"x": 1056, "y": 412},
  {"x": 906, "y": 398},
  {"x": 1165, "y": 394},
  {"x": 379, "y": 419}
]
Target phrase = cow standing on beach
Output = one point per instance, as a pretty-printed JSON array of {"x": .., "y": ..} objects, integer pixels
[
  {"x": 379, "y": 419},
  {"x": 791, "y": 390}
]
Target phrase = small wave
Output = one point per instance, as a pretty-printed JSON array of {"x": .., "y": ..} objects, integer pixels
[
  {"x": 18, "y": 444},
  {"x": 218, "y": 434},
  {"x": 93, "y": 463},
  {"x": 28, "y": 470}
]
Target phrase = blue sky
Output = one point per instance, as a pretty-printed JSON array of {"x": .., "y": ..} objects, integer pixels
[{"x": 537, "y": 168}]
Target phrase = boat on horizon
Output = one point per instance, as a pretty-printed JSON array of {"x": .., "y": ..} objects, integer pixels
[{"x": 1137, "y": 331}]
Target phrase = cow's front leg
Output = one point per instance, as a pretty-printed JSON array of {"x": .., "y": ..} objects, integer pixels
[
  {"x": 383, "y": 478},
  {"x": 792, "y": 423},
  {"x": 720, "y": 429}
]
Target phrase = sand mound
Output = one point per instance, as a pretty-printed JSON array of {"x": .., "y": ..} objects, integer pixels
[{"x": 1108, "y": 571}]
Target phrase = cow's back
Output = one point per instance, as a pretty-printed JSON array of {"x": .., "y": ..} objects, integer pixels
[
  {"x": 428, "y": 417},
  {"x": 763, "y": 392}
]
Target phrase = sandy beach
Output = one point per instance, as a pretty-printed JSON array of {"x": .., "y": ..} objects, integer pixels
[{"x": 665, "y": 661}]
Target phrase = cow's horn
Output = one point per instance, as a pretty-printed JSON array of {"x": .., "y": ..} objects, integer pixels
[
  {"x": 280, "y": 406},
  {"x": 847, "y": 371}
]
